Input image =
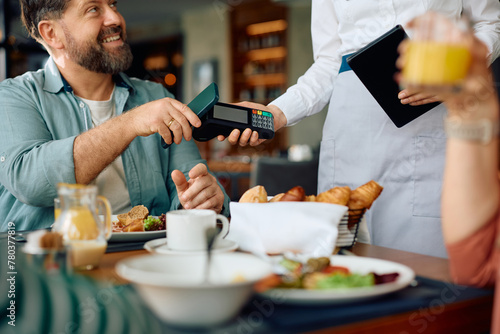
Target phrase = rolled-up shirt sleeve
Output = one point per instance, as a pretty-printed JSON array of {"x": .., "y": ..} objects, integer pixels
[{"x": 31, "y": 161}]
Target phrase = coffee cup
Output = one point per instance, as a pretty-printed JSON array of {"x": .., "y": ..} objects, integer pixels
[{"x": 186, "y": 229}]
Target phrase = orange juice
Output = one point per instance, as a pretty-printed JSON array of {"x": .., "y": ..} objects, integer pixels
[
  {"x": 80, "y": 224},
  {"x": 82, "y": 235},
  {"x": 57, "y": 212},
  {"x": 86, "y": 254},
  {"x": 436, "y": 63},
  {"x": 57, "y": 207},
  {"x": 82, "y": 230}
]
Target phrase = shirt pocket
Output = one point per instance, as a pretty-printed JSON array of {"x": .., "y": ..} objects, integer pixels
[{"x": 429, "y": 155}]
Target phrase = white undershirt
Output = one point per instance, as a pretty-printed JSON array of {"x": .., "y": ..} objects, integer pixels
[{"x": 111, "y": 182}]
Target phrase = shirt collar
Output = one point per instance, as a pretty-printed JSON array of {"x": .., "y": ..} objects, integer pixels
[{"x": 55, "y": 82}]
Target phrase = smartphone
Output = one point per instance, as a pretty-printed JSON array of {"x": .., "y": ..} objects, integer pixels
[{"x": 201, "y": 104}]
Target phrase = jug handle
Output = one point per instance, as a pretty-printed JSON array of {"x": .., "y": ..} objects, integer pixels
[{"x": 107, "y": 216}]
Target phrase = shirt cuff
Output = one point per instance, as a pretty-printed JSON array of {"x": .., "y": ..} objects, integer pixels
[{"x": 292, "y": 106}]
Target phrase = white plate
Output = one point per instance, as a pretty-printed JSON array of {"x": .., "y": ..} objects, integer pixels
[
  {"x": 160, "y": 246},
  {"x": 134, "y": 236},
  {"x": 360, "y": 265}
]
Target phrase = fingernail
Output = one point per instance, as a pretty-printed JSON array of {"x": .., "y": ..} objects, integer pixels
[
  {"x": 405, "y": 101},
  {"x": 402, "y": 95}
]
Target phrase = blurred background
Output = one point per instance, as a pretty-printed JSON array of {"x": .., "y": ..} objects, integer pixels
[{"x": 253, "y": 50}]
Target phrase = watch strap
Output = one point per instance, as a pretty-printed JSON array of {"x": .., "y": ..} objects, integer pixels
[{"x": 481, "y": 130}]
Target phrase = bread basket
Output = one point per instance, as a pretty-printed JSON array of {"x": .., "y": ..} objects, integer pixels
[{"x": 348, "y": 228}]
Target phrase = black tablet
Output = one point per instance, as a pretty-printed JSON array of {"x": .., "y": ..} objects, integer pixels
[{"x": 375, "y": 66}]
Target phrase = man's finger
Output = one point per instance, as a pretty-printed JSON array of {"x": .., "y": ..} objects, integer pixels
[
  {"x": 180, "y": 181},
  {"x": 198, "y": 170},
  {"x": 188, "y": 113}
]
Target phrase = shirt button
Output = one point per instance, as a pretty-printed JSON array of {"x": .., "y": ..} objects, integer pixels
[
  {"x": 2, "y": 159},
  {"x": 82, "y": 105}
]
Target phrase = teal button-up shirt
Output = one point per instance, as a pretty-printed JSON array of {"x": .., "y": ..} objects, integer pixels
[{"x": 40, "y": 118}]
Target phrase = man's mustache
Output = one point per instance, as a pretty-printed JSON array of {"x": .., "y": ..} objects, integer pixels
[{"x": 110, "y": 31}]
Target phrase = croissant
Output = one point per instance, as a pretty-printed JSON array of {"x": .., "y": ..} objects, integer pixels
[
  {"x": 296, "y": 194},
  {"x": 277, "y": 198},
  {"x": 257, "y": 194},
  {"x": 363, "y": 196},
  {"x": 336, "y": 195},
  {"x": 310, "y": 198}
]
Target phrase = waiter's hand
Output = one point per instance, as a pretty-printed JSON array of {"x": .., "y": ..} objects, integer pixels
[
  {"x": 201, "y": 191},
  {"x": 416, "y": 98},
  {"x": 252, "y": 138}
]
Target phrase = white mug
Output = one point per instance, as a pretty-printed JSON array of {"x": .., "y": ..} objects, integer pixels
[{"x": 186, "y": 229}]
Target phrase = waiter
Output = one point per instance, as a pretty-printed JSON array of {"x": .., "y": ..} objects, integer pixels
[{"x": 360, "y": 143}]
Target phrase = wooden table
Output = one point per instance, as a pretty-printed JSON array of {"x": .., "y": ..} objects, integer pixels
[{"x": 471, "y": 316}]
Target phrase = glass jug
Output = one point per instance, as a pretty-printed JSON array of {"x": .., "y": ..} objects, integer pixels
[{"x": 85, "y": 230}]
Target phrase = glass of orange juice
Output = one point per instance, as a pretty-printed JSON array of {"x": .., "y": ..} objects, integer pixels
[
  {"x": 83, "y": 231},
  {"x": 438, "y": 53},
  {"x": 57, "y": 208}
]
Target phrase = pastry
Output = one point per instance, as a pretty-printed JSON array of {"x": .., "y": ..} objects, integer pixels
[
  {"x": 336, "y": 195},
  {"x": 363, "y": 196},
  {"x": 277, "y": 198},
  {"x": 256, "y": 194},
  {"x": 310, "y": 198},
  {"x": 296, "y": 194}
]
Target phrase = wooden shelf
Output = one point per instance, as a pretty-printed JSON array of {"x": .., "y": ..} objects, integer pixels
[
  {"x": 271, "y": 79},
  {"x": 259, "y": 61},
  {"x": 278, "y": 52}
]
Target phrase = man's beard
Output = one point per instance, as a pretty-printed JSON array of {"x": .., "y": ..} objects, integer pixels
[{"x": 94, "y": 57}]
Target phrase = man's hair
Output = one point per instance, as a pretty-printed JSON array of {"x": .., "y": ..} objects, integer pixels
[{"x": 34, "y": 11}]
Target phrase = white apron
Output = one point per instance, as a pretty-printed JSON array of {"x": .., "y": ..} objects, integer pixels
[{"x": 360, "y": 143}]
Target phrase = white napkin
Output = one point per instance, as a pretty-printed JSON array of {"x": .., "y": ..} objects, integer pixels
[{"x": 309, "y": 228}]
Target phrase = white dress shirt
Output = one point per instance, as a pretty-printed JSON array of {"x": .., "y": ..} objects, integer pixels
[
  {"x": 341, "y": 27},
  {"x": 360, "y": 143}
]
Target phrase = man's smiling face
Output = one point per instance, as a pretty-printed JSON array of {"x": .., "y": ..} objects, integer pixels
[{"x": 95, "y": 36}]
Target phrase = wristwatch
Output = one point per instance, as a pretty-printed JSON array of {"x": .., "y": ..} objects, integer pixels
[{"x": 481, "y": 130}]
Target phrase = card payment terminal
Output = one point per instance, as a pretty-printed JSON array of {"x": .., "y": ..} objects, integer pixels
[
  {"x": 219, "y": 118},
  {"x": 224, "y": 118}
]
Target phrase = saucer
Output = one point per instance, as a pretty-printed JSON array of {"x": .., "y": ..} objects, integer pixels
[{"x": 160, "y": 246}]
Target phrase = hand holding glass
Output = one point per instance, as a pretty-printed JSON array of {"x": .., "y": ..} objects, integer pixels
[{"x": 437, "y": 54}]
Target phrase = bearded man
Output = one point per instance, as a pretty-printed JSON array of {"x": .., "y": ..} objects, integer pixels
[{"x": 81, "y": 120}]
